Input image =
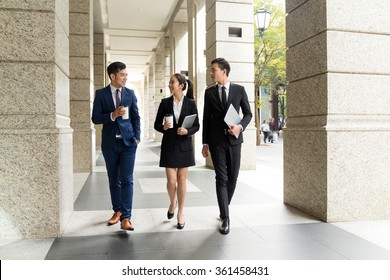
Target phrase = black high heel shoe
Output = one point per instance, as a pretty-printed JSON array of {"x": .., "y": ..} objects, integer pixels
[
  {"x": 180, "y": 225},
  {"x": 170, "y": 215}
]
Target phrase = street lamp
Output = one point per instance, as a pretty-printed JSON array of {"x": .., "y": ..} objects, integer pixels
[
  {"x": 281, "y": 98},
  {"x": 262, "y": 19}
]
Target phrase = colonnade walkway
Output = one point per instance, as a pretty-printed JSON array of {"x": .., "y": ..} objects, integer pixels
[{"x": 262, "y": 226}]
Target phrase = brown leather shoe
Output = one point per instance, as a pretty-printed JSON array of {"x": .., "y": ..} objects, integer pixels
[
  {"x": 115, "y": 218},
  {"x": 126, "y": 224}
]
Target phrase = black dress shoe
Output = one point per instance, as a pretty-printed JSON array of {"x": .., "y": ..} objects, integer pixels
[
  {"x": 180, "y": 225},
  {"x": 170, "y": 215},
  {"x": 225, "y": 227}
]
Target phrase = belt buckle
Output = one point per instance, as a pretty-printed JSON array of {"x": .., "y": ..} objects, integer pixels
[{"x": 118, "y": 136}]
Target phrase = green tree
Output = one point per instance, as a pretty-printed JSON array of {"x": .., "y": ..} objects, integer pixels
[{"x": 270, "y": 55}]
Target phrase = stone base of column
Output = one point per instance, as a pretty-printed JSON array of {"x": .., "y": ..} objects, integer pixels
[
  {"x": 337, "y": 175},
  {"x": 84, "y": 150},
  {"x": 158, "y": 137},
  {"x": 36, "y": 182},
  {"x": 98, "y": 135},
  {"x": 248, "y": 150}
]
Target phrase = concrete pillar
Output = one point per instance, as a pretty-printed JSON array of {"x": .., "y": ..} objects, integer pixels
[
  {"x": 167, "y": 64},
  {"x": 152, "y": 109},
  {"x": 139, "y": 90},
  {"x": 191, "y": 17},
  {"x": 99, "y": 76},
  {"x": 179, "y": 38},
  {"x": 230, "y": 34},
  {"x": 160, "y": 81},
  {"x": 337, "y": 156},
  {"x": 146, "y": 120},
  {"x": 81, "y": 83},
  {"x": 197, "y": 60},
  {"x": 36, "y": 170}
]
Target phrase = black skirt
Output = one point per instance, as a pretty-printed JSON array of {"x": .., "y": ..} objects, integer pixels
[{"x": 177, "y": 158}]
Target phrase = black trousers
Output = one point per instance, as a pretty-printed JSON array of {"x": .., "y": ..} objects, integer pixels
[{"x": 226, "y": 160}]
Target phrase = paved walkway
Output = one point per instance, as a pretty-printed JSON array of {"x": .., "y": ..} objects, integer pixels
[{"x": 262, "y": 226}]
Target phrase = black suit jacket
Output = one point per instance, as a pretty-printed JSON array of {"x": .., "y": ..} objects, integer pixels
[
  {"x": 170, "y": 137},
  {"x": 213, "y": 115}
]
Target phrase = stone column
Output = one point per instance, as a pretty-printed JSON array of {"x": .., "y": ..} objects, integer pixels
[
  {"x": 179, "y": 40},
  {"x": 151, "y": 91},
  {"x": 99, "y": 76},
  {"x": 337, "y": 156},
  {"x": 230, "y": 34},
  {"x": 160, "y": 81},
  {"x": 139, "y": 89},
  {"x": 146, "y": 120},
  {"x": 167, "y": 64},
  {"x": 36, "y": 170},
  {"x": 197, "y": 70},
  {"x": 81, "y": 83}
]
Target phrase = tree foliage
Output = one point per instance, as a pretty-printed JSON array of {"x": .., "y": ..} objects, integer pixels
[{"x": 270, "y": 50}]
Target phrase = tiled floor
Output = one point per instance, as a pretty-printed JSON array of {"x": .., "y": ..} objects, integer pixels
[{"x": 262, "y": 226}]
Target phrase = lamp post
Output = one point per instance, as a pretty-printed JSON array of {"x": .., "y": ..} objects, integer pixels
[
  {"x": 277, "y": 97},
  {"x": 262, "y": 19},
  {"x": 281, "y": 98}
]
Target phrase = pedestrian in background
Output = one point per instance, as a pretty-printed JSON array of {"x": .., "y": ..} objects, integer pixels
[{"x": 265, "y": 130}]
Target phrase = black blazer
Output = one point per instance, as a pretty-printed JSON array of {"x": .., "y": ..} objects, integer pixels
[
  {"x": 213, "y": 115},
  {"x": 130, "y": 128},
  {"x": 170, "y": 137}
]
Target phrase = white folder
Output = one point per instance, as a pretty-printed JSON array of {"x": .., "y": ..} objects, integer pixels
[{"x": 232, "y": 117}]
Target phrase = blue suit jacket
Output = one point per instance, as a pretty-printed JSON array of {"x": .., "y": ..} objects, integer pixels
[{"x": 103, "y": 106}]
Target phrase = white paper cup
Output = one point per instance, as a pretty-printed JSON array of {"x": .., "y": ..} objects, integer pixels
[
  {"x": 126, "y": 115},
  {"x": 169, "y": 120}
]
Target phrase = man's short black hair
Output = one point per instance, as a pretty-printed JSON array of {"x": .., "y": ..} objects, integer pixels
[
  {"x": 222, "y": 64},
  {"x": 115, "y": 67}
]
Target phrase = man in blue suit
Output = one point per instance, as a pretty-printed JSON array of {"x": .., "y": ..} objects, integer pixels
[
  {"x": 220, "y": 138},
  {"x": 115, "y": 106}
]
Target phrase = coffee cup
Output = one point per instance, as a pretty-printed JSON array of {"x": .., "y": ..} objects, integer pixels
[
  {"x": 169, "y": 120},
  {"x": 126, "y": 115}
]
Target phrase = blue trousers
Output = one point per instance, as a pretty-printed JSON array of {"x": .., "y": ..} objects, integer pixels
[{"x": 120, "y": 161}]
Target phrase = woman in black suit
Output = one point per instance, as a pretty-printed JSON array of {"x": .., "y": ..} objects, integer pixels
[{"x": 177, "y": 152}]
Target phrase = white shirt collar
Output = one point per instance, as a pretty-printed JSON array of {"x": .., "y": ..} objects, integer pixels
[
  {"x": 113, "y": 89},
  {"x": 227, "y": 86}
]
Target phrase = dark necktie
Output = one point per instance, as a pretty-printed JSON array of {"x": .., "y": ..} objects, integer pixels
[
  {"x": 223, "y": 97},
  {"x": 118, "y": 103},
  {"x": 117, "y": 99}
]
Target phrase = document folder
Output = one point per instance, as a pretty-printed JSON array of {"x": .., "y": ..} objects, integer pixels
[{"x": 232, "y": 117}]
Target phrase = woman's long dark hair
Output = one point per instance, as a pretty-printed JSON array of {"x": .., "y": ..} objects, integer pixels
[{"x": 183, "y": 81}]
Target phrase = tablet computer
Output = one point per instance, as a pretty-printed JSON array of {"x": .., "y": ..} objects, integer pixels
[{"x": 188, "y": 121}]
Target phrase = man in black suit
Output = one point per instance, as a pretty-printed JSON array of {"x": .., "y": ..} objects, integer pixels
[
  {"x": 219, "y": 138},
  {"x": 115, "y": 106}
]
